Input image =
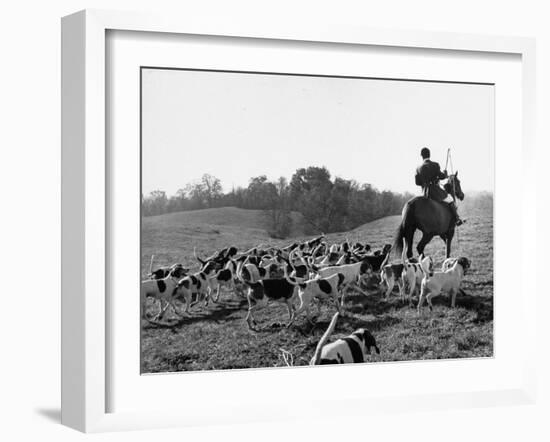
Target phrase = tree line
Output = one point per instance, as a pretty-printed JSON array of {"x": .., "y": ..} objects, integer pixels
[{"x": 326, "y": 204}]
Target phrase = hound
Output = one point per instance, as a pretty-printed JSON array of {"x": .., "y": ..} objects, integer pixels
[
  {"x": 360, "y": 248},
  {"x": 448, "y": 263},
  {"x": 351, "y": 349},
  {"x": 223, "y": 278},
  {"x": 319, "y": 250},
  {"x": 267, "y": 291},
  {"x": 163, "y": 272},
  {"x": 345, "y": 247},
  {"x": 335, "y": 248},
  {"x": 216, "y": 261},
  {"x": 353, "y": 273},
  {"x": 443, "y": 282},
  {"x": 390, "y": 275},
  {"x": 406, "y": 274},
  {"x": 319, "y": 288},
  {"x": 300, "y": 269},
  {"x": 329, "y": 260},
  {"x": 413, "y": 273},
  {"x": 285, "y": 251},
  {"x": 248, "y": 272},
  {"x": 196, "y": 283},
  {"x": 344, "y": 259},
  {"x": 315, "y": 242},
  {"x": 379, "y": 258},
  {"x": 161, "y": 290}
]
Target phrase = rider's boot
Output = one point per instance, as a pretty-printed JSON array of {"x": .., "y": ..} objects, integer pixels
[{"x": 459, "y": 222}]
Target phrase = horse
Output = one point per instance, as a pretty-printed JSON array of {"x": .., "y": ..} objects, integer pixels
[{"x": 432, "y": 218}]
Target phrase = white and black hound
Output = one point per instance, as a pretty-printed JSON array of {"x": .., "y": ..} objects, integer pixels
[
  {"x": 161, "y": 290},
  {"x": 348, "y": 350},
  {"x": 196, "y": 283},
  {"x": 379, "y": 259},
  {"x": 330, "y": 259},
  {"x": 405, "y": 275},
  {"x": 316, "y": 289},
  {"x": 223, "y": 278},
  {"x": 414, "y": 273},
  {"x": 163, "y": 272},
  {"x": 249, "y": 272},
  {"x": 391, "y": 275},
  {"x": 353, "y": 273},
  {"x": 443, "y": 282},
  {"x": 267, "y": 291}
]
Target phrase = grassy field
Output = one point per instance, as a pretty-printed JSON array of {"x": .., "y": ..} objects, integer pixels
[{"x": 218, "y": 337}]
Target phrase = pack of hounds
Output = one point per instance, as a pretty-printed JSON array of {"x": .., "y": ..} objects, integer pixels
[{"x": 300, "y": 275}]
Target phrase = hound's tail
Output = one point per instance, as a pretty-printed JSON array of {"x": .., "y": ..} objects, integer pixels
[
  {"x": 290, "y": 279},
  {"x": 421, "y": 265},
  {"x": 240, "y": 265},
  {"x": 317, "y": 355},
  {"x": 240, "y": 277},
  {"x": 386, "y": 260},
  {"x": 197, "y": 258},
  {"x": 311, "y": 264}
]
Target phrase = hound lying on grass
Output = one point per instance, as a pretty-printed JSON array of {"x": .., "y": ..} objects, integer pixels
[
  {"x": 161, "y": 290},
  {"x": 351, "y": 349},
  {"x": 443, "y": 282}
]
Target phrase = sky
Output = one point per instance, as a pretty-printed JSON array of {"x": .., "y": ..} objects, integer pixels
[{"x": 238, "y": 125}]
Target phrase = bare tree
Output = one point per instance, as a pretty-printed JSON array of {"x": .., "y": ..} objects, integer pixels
[{"x": 212, "y": 189}]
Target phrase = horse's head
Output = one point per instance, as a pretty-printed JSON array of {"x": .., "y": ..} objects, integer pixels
[{"x": 453, "y": 186}]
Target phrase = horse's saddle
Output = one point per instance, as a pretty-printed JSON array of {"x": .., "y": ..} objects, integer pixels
[{"x": 435, "y": 192}]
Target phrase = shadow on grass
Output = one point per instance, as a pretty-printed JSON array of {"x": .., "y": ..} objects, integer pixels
[
  {"x": 346, "y": 324},
  {"x": 481, "y": 305},
  {"x": 221, "y": 312},
  {"x": 374, "y": 303}
]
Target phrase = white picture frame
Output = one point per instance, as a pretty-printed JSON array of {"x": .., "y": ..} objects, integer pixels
[{"x": 85, "y": 213}]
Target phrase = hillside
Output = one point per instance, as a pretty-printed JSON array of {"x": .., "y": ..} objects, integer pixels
[
  {"x": 217, "y": 337},
  {"x": 172, "y": 237}
]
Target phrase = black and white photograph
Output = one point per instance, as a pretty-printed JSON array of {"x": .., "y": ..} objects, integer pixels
[{"x": 291, "y": 220}]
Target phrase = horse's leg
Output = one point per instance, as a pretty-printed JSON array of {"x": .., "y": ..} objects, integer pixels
[
  {"x": 448, "y": 242},
  {"x": 426, "y": 238}
]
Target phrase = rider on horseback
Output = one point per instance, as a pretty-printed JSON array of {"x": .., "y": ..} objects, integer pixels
[{"x": 427, "y": 176}]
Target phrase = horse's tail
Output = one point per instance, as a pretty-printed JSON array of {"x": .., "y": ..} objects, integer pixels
[
  {"x": 398, "y": 240},
  {"x": 400, "y": 234}
]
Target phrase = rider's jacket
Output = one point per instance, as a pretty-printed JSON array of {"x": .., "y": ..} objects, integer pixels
[{"x": 427, "y": 176}]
